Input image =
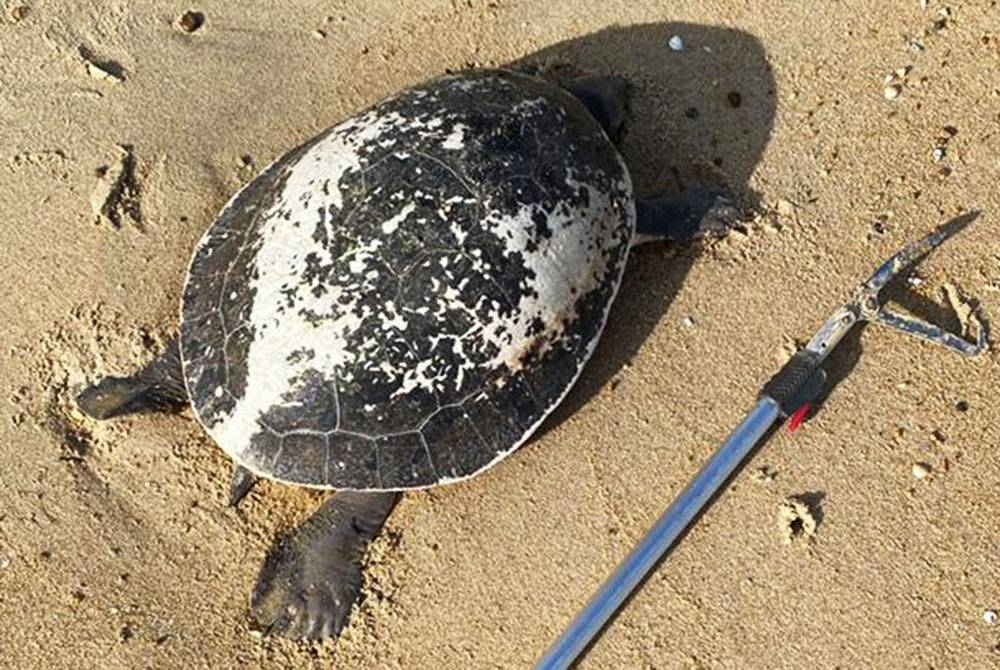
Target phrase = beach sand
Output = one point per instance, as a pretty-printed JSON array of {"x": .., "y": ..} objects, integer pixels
[{"x": 123, "y": 135}]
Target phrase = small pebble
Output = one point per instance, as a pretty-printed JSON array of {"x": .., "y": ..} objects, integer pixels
[
  {"x": 990, "y": 616},
  {"x": 688, "y": 321},
  {"x": 920, "y": 470},
  {"x": 734, "y": 98},
  {"x": 318, "y": 34},
  {"x": 676, "y": 43},
  {"x": 4, "y": 562},
  {"x": 938, "y": 154},
  {"x": 892, "y": 92},
  {"x": 190, "y": 21},
  {"x": 99, "y": 73}
]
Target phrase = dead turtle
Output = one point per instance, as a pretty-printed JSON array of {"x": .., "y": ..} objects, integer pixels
[{"x": 399, "y": 303}]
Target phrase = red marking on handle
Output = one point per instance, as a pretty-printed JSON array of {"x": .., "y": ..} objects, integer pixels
[{"x": 798, "y": 417}]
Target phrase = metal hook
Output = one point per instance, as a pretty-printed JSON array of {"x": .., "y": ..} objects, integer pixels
[{"x": 869, "y": 308}]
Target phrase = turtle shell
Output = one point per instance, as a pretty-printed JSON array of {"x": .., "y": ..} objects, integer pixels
[{"x": 400, "y": 301}]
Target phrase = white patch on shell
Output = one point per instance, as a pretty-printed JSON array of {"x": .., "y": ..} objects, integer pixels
[
  {"x": 567, "y": 265},
  {"x": 456, "y": 138},
  {"x": 389, "y": 226},
  {"x": 281, "y": 262}
]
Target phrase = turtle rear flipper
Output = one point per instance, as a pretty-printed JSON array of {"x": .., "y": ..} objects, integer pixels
[
  {"x": 312, "y": 577},
  {"x": 158, "y": 387}
]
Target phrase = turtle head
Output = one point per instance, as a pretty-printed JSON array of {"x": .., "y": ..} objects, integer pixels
[{"x": 606, "y": 98}]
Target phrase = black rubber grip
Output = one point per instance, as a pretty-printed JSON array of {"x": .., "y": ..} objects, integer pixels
[{"x": 801, "y": 380}]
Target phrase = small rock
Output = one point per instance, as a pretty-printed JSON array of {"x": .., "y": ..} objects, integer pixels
[
  {"x": 938, "y": 154},
  {"x": 990, "y": 616},
  {"x": 920, "y": 470},
  {"x": 4, "y": 562},
  {"x": 99, "y": 73},
  {"x": 903, "y": 71},
  {"x": 190, "y": 21},
  {"x": 734, "y": 99},
  {"x": 892, "y": 92},
  {"x": 688, "y": 321},
  {"x": 676, "y": 43},
  {"x": 318, "y": 34}
]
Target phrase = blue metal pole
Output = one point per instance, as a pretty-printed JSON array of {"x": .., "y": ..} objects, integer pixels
[{"x": 660, "y": 537}]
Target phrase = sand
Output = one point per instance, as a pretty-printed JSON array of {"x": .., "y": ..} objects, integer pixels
[{"x": 123, "y": 135}]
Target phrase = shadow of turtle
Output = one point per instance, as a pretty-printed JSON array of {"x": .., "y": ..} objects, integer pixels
[{"x": 698, "y": 117}]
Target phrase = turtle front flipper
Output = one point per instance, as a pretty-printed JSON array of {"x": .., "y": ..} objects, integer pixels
[
  {"x": 691, "y": 215},
  {"x": 312, "y": 577},
  {"x": 158, "y": 387}
]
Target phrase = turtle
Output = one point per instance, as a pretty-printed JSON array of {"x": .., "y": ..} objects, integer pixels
[{"x": 399, "y": 303}]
